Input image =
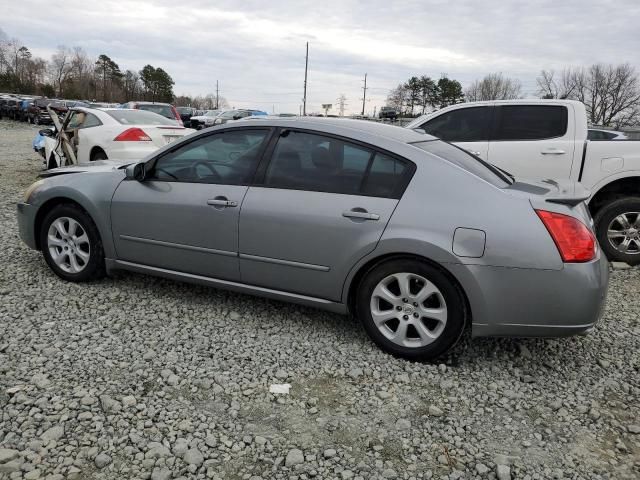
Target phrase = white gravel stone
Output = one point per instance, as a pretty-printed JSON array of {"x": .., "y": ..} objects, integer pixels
[
  {"x": 193, "y": 457},
  {"x": 7, "y": 454},
  {"x": 294, "y": 457}
]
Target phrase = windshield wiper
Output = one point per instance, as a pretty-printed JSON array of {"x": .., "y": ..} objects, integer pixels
[{"x": 510, "y": 175}]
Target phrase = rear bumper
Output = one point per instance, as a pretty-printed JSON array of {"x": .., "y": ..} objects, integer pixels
[
  {"x": 535, "y": 303},
  {"x": 26, "y": 215}
]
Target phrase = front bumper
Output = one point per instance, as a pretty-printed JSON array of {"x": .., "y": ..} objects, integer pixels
[
  {"x": 26, "y": 215},
  {"x": 518, "y": 302}
]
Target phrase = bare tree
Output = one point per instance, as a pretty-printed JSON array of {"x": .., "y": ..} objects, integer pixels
[
  {"x": 551, "y": 85},
  {"x": 398, "y": 97},
  {"x": 610, "y": 93},
  {"x": 494, "y": 86},
  {"x": 60, "y": 68}
]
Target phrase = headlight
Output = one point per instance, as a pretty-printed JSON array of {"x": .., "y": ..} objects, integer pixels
[{"x": 31, "y": 190}]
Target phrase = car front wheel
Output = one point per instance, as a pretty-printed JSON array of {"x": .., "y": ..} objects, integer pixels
[
  {"x": 71, "y": 244},
  {"x": 411, "y": 309}
]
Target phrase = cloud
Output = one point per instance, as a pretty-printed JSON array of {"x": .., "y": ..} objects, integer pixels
[{"x": 256, "y": 49}]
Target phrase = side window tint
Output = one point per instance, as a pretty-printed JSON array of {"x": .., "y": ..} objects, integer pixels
[
  {"x": 227, "y": 158},
  {"x": 530, "y": 122},
  {"x": 305, "y": 161},
  {"x": 462, "y": 125},
  {"x": 385, "y": 176}
]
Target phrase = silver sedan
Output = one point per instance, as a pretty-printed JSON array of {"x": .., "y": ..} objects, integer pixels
[{"x": 412, "y": 235}]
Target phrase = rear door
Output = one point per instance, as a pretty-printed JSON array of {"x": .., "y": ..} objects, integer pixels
[
  {"x": 467, "y": 127},
  {"x": 533, "y": 141},
  {"x": 322, "y": 203}
]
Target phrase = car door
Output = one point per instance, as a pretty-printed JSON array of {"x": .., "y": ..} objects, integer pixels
[
  {"x": 467, "y": 127},
  {"x": 533, "y": 141},
  {"x": 84, "y": 130},
  {"x": 184, "y": 216},
  {"x": 321, "y": 205}
]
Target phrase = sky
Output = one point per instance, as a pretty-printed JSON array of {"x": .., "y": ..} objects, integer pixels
[{"x": 256, "y": 49}]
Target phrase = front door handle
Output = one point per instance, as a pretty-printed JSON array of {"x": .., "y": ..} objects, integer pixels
[
  {"x": 552, "y": 151},
  {"x": 360, "y": 214},
  {"x": 221, "y": 202}
]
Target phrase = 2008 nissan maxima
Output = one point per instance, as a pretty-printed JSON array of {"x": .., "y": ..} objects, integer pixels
[{"x": 413, "y": 236}]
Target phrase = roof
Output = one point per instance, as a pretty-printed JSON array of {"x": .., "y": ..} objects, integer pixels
[{"x": 391, "y": 132}]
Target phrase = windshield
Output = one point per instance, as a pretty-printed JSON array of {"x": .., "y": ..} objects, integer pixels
[
  {"x": 212, "y": 113},
  {"x": 228, "y": 114},
  {"x": 138, "y": 117},
  {"x": 468, "y": 162}
]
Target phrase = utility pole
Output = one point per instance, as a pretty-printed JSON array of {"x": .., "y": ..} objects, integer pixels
[
  {"x": 342, "y": 102},
  {"x": 306, "y": 67},
  {"x": 364, "y": 95},
  {"x": 217, "y": 96}
]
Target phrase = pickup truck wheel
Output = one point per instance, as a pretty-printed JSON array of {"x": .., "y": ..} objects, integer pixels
[{"x": 618, "y": 230}]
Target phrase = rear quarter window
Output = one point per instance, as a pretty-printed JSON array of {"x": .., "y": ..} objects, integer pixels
[{"x": 466, "y": 161}]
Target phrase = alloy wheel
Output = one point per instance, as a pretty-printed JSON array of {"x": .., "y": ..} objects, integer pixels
[
  {"x": 68, "y": 245},
  {"x": 624, "y": 233},
  {"x": 408, "y": 309}
]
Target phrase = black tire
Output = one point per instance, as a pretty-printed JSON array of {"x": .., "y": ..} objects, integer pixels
[
  {"x": 453, "y": 297},
  {"x": 98, "y": 155},
  {"x": 94, "y": 267},
  {"x": 603, "y": 219}
]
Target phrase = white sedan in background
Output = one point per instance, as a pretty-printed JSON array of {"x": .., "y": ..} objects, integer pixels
[{"x": 111, "y": 133}]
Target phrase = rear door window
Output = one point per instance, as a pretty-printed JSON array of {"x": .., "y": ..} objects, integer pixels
[
  {"x": 163, "y": 110},
  {"x": 530, "y": 122},
  {"x": 307, "y": 161},
  {"x": 462, "y": 125}
]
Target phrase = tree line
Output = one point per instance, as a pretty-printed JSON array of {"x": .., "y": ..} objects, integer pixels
[
  {"x": 72, "y": 73},
  {"x": 610, "y": 93}
]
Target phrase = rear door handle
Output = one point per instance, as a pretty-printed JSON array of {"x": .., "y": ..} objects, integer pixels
[
  {"x": 221, "y": 202},
  {"x": 552, "y": 151},
  {"x": 360, "y": 214}
]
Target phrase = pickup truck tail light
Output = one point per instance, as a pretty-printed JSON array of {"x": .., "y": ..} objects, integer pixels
[
  {"x": 133, "y": 135},
  {"x": 573, "y": 238}
]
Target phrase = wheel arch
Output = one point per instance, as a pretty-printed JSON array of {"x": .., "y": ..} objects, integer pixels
[
  {"x": 49, "y": 205},
  {"x": 618, "y": 188},
  {"x": 94, "y": 150}
]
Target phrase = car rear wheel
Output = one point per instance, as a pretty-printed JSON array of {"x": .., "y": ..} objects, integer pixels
[
  {"x": 411, "y": 309},
  {"x": 71, "y": 244},
  {"x": 618, "y": 230}
]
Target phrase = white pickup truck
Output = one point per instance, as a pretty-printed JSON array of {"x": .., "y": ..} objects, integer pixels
[{"x": 548, "y": 139}]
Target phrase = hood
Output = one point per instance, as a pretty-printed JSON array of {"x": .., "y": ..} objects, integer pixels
[{"x": 94, "y": 167}]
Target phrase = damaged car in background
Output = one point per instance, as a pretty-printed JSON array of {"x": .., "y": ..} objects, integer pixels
[{"x": 87, "y": 134}]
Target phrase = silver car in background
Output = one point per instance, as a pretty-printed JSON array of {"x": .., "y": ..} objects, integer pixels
[{"x": 412, "y": 235}]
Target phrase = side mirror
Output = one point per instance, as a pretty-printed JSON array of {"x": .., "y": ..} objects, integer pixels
[{"x": 137, "y": 172}]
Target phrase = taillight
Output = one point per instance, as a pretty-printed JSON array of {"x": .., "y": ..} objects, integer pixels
[
  {"x": 133, "y": 135},
  {"x": 574, "y": 240}
]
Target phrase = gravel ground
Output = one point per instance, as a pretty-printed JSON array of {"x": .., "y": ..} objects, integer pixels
[{"x": 137, "y": 377}]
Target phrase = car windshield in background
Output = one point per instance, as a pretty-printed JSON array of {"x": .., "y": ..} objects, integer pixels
[
  {"x": 164, "y": 110},
  {"x": 181, "y": 109},
  {"x": 212, "y": 113},
  {"x": 138, "y": 117},
  {"x": 468, "y": 162},
  {"x": 229, "y": 114}
]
